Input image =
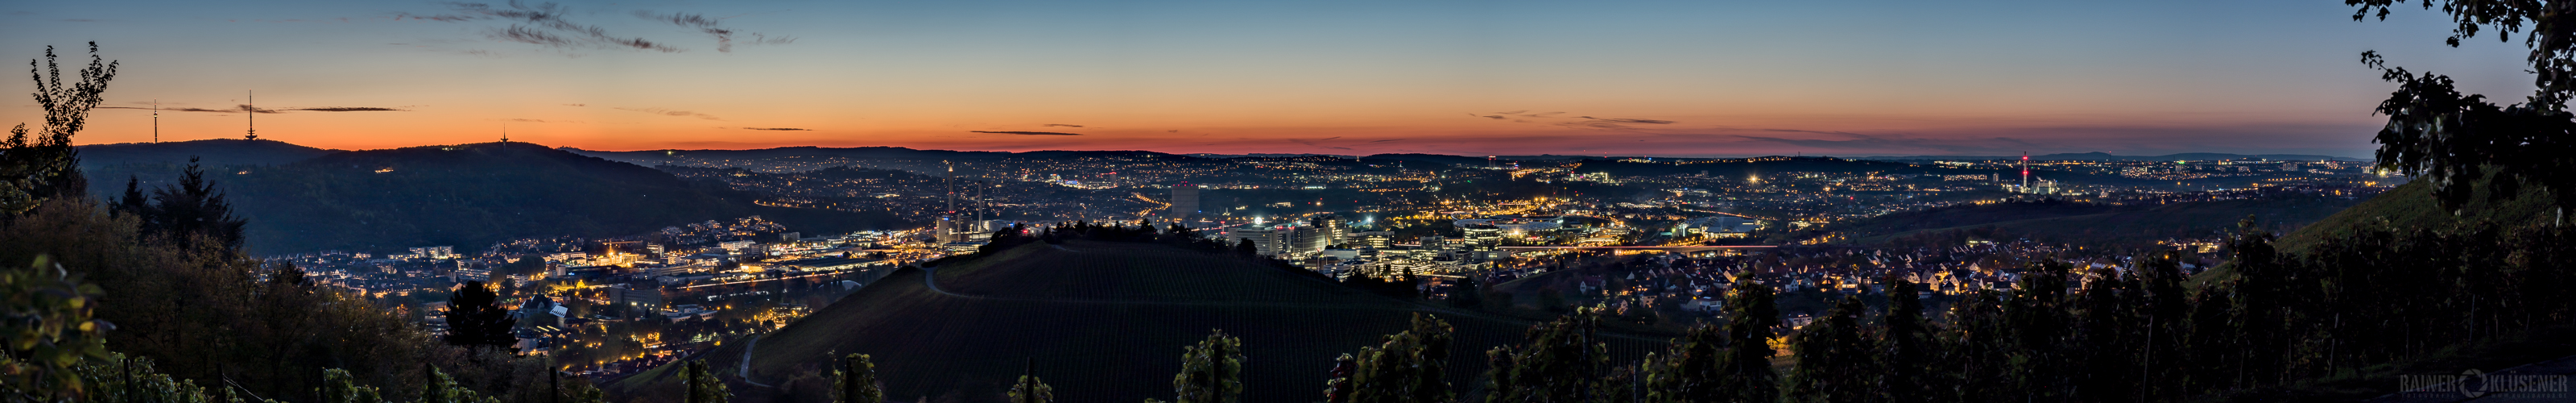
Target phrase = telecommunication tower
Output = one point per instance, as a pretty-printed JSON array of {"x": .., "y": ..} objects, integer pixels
[{"x": 251, "y": 111}]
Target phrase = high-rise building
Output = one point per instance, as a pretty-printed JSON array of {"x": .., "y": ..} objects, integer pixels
[
  {"x": 1292, "y": 241},
  {"x": 1330, "y": 228},
  {"x": 1185, "y": 201}
]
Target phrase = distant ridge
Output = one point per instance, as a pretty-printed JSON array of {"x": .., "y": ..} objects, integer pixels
[
  {"x": 472, "y": 195},
  {"x": 215, "y": 152},
  {"x": 2103, "y": 156}
]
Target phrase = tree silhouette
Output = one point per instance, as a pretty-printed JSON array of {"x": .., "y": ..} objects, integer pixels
[
  {"x": 703, "y": 387},
  {"x": 475, "y": 318},
  {"x": 1751, "y": 312},
  {"x": 192, "y": 211},
  {"x": 1904, "y": 345},
  {"x": 1835, "y": 361},
  {"x": 1211, "y": 372},
  {"x": 856, "y": 382},
  {"x": 46, "y": 166},
  {"x": 1030, "y": 389},
  {"x": 1408, "y": 367}
]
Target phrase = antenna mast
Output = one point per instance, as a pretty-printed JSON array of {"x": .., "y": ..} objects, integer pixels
[
  {"x": 251, "y": 111},
  {"x": 2025, "y": 171},
  {"x": 156, "y": 121}
]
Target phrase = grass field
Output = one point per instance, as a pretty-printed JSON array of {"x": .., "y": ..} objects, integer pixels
[{"x": 1104, "y": 322}]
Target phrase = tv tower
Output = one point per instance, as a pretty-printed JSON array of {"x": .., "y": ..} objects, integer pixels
[
  {"x": 252, "y": 112},
  {"x": 156, "y": 121},
  {"x": 505, "y": 136}
]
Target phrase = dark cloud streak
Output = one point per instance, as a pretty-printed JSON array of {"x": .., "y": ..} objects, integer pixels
[
  {"x": 542, "y": 24},
  {"x": 711, "y": 27},
  {"x": 1027, "y": 133}
]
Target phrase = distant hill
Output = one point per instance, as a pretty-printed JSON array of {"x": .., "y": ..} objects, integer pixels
[
  {"x": 680, "y": 157},
  {"x": 1103, "y": 322},
  {"x": 1769, "y": 166},
  {"x": 2103, "y": 156},
  {"x": 472, "y": 195},
  {"x": 214, "y": 152},
  {"x": 1430, "y": 158}
]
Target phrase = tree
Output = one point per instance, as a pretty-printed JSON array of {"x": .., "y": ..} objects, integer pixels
[
  {"x": 1903, "y": 344},
  {"x": 1246, "y": 248},
  {"x": 1751, "y": 312},
  {"x": 1467, "y": 293},
  {"x": 1835, "y": 363},
  {"x": 1030, "y": 389},
  {"x": 192, "y": 211},
  {"x": 2453, "y": 140},
  {"x": 1691, "y": 370},
  {"x": 34, "y": 169},
  {"x": 856, "y": 382},
  {"x": 442, "y": 389},
  {"x": 1559, "y": 361},
  {"x": 2037, "y": 319},
  {"x": 45, "y": 319},
  {"x": 475, "y": 318},
  {"x": 1211, "y": 372},
  {"x": 1410, "y": 366},
  {"x": 703, "y": 385}
]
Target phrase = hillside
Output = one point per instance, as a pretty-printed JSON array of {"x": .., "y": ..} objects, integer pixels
[
  {"x": 472, "y": 195},
  {"x": 1103, "y": 321},
  {"x": 2095, "y": 224},
  {"x": 2412, "y": 206}
]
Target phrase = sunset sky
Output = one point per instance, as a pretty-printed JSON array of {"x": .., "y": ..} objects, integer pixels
[{"x": 1682, "y": 78}]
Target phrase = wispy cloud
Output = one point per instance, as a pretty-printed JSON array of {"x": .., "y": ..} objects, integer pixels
[
  {"x": 1058, "y": 125},
  {"x": 668, "y": 112},
  {"x": 248, "y": 108},
  {"x": 713, "y": 27},
  {"x": 783, "y": 129},
  {"x": 576, "y": 104},
  {"x": 541, "y": 24},
  {"x": 1027, "y": 133},
  {"x": 1585, "y": 122}
]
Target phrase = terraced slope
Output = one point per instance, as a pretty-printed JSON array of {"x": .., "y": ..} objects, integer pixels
[{"x": 1105, "y": 322}]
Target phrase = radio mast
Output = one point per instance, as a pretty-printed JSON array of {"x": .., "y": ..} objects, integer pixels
[{"x": 252, "y": 112}]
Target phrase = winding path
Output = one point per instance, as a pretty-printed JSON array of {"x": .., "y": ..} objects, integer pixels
[{"x": 746, "y": 362}]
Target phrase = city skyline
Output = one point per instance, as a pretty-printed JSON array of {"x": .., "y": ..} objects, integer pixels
[{"x": 1682, "y": 80}]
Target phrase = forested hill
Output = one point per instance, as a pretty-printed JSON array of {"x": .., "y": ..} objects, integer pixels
[
  {"x": 212, "y": 152},
  {"x": 1100, "y": 321},
  {"x": 472, "y": 195}
]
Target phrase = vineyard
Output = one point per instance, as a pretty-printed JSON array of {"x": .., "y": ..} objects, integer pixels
[{"x": 1104, "y": 321}]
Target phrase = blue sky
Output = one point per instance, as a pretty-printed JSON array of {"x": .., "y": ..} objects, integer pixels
[{"x": 1699, "y": 78}]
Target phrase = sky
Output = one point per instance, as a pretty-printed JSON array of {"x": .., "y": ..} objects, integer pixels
[{"x": 1681, "y": 78}]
